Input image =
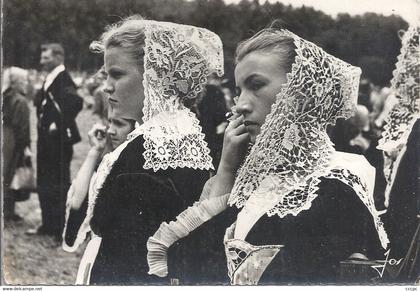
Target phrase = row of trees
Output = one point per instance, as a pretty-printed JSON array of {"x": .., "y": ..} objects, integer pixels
[{"x": 369, "y": 41}]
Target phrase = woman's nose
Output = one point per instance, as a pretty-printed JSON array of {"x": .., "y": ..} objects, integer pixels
[
  {"x": 108, "y": 88},
  {"x": 244, "y": 105}
]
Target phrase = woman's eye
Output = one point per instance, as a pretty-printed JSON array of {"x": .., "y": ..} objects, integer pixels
[
  {"x": 257, "y": 85},
  {"x": 115, "y": 74}
]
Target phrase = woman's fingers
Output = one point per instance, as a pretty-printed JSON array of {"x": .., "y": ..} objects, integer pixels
[
  {"x": 245, "y": 136},
  {"x": 241, "y": 139},
  {"x": 235, "y": 122},
  {"x": 239, "y": 130},
  {"x": 233, "y": 132}
]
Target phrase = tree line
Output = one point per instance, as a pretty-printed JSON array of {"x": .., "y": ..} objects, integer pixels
[{"x": 370, "y": 41}]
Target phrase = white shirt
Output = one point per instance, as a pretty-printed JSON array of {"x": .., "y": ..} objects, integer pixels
[{"x": 52, "y": 75}]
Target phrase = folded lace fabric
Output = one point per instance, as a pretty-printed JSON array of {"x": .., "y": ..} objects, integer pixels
[
  {"x": 405, "y": 84},
  {"x": 167, "y": 234}
]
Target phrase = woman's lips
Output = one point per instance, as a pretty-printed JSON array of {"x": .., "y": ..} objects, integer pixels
[{"x": 112, "y": 100}]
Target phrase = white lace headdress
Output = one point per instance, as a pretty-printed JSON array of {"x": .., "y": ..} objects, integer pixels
[
  {"x": 405, "y": 84},
  {"x": 178, "y": 60},
  {"x": 293, "y": 149}
]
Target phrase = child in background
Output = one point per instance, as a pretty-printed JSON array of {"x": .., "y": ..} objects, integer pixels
[{"x": 102, "y": 139}]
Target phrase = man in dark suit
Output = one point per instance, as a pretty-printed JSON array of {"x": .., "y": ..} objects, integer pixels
[{"x": 57, "y": 105}]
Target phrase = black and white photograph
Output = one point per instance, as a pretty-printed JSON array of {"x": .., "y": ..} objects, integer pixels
[{"x": 210, "y": 143}]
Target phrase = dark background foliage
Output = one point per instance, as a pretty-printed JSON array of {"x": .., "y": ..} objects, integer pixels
[{"x": 369, "y": 41}]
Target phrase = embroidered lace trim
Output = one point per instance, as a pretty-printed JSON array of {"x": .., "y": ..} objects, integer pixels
[
  {"x": 178, "y": 60},
  {"x": 254, "y": 259},
  {"x": 174, "y": 139},
  {"x": 400, "y": 121}
]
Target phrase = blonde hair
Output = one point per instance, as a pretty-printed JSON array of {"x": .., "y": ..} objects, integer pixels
[
  {"x": 127, "y": 33},
  {"x": 14, "y": 76},
  {"x": 269, "y": 40}
]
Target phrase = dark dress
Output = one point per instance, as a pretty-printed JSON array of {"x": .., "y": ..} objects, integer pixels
[
  {"x": 315, "y": 241},
  {"x": 130, "y": 208},
  {"x": 402, "y": 218},
  {"x": 204, "y": 260}
]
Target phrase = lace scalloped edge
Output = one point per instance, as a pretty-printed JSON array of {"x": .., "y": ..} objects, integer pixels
[
  {"x": 203, "y": 162},
  {"x": 387, "y": 144}
]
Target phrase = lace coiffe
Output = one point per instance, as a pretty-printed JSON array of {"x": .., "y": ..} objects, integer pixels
[
  {"x": 178, "y": 60},
  {"x": 405, "y": 84}
]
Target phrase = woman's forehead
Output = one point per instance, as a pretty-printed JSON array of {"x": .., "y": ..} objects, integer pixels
[
  {"x": 257, "y": 63},
  {"x": 117, "y": 56}
]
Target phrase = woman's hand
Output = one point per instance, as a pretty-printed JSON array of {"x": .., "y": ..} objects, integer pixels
[
  {"x": 97, "y": 137},
  {"x": 235, "y": 145}
]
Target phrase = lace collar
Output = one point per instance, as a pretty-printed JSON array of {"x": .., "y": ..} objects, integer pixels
[{"x": 293, "y": 149}]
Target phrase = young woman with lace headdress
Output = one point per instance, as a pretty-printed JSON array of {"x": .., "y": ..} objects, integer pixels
[
  {"x": 400, "y": 144},
  {"x": 153, "y": 69},
  {"x": 303, "y": 207}
]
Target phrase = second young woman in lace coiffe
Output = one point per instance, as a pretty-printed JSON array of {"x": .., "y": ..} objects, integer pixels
[{"x": 303, "y": 207}]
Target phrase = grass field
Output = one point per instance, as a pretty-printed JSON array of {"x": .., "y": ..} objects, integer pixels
[{"x": 36, "y": 260}]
